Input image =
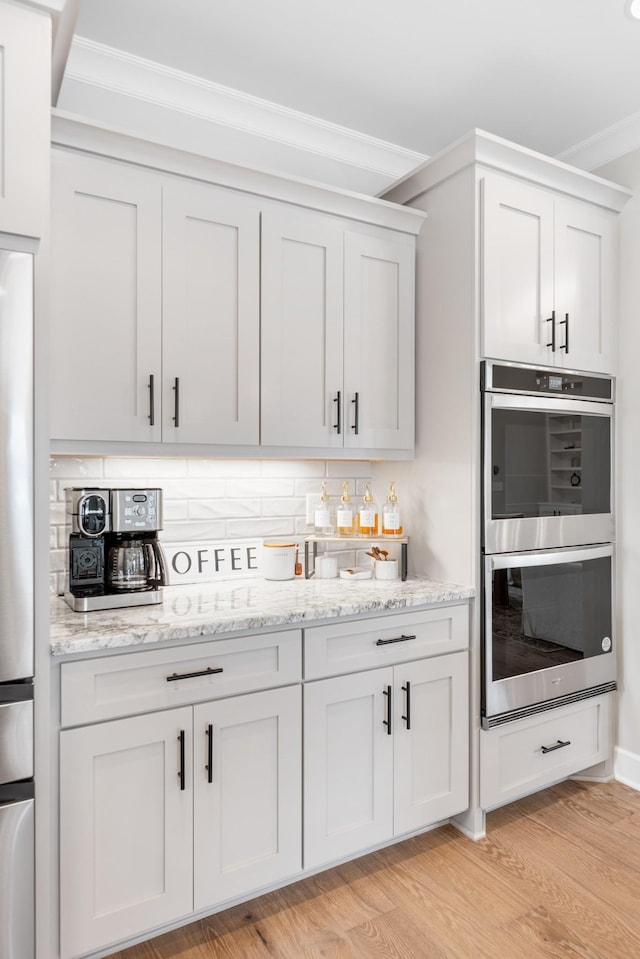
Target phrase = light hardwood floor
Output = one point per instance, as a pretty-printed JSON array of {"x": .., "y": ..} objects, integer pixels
[{"x": 558, "y": 877}]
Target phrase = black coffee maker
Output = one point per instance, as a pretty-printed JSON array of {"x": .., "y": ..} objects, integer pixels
[{"x": 115, "y": 557}]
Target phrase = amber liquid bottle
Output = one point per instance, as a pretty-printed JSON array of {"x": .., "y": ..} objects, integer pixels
[
  {"x": 368, "y": 514},
  {"x": 391, "y": 516},
  {"x": 344, "y": 514}
]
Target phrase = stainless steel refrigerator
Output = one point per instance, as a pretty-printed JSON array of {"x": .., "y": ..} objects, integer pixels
[{"x": 17, "y": 907}]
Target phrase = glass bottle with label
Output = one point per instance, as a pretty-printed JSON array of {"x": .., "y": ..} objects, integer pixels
[
  {"x": 391, "y": 516},
  {"x": 322, "y": 513},
  {"x": 344, "y": 513},
  {"x": 368, "y": 514}
]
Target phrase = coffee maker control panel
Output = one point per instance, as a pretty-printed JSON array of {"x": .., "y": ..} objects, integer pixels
[{"x": 136, "y": 510}]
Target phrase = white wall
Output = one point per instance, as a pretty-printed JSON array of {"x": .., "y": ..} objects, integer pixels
[
  {"x": 207, "y": 500},
  {"x": 626, "y": 171}
]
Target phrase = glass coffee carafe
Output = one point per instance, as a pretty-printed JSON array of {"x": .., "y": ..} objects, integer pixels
[{"x": 134, "y": 563}]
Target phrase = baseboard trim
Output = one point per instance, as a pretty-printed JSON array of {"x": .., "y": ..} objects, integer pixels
[{"x": 627, "y": 767}]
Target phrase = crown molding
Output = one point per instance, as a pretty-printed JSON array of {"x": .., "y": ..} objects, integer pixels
[
  {"x": 98, "y": 66},
  {"x": 69, "y": 132},
  {"x": 605, "y": 146},
  {"x": 483, "y": 150}
]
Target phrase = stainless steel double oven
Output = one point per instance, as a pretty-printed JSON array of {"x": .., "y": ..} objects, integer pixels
[{"x": 547, "y": 539}]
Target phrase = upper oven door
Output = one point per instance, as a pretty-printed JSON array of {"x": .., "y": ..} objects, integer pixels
[{"x": 547, "y": 472}]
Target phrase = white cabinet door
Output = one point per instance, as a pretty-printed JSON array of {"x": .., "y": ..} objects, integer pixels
[
  {"x": 210, "y": 315},
  {"x": 348, "y": 778},
  {"x": 126, "y": 829},
  {"x": 548, "y": 278},
  {"x": 302, "y": 330},
  {"x": 431, "y": 741},
  {"x": 517, "y": 271},
  {"x": 584, "y": 286},
  {"x": 379, "y": 355},
  {"x": 105, "y": 300},
  {"x": 25, "y": 118},
  {"x": 247, "y": 808}
]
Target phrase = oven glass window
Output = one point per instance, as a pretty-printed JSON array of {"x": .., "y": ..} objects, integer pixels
[
  {"x": 549, "y": 464},
  {"x": 545, "y": 616}
]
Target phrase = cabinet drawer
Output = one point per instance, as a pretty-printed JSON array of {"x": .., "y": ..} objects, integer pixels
[
  {"x": 347, "y": 647},
  {"x": 122, "y": 685},
  {"x": 532, "y": 753}
]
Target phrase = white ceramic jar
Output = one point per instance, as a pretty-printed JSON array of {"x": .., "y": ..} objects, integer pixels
[{"x": 279, "y": 560}]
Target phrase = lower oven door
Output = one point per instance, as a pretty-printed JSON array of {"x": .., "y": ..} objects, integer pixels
[{"x": 547, "y": 629}]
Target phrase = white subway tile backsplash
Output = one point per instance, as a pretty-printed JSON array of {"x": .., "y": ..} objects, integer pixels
[
  {"x": 252, "y": 528},
  {"x": 194, "y": 532},
  {"x": 207, "y": 500},
  {"x": 190, "y": 489},
  {"x": 141, "y": 470},
  {"x": 223, "y": 468},
  {"x": 175, "y": 510},
  {"x": 224, "y": 508},
  {"x": 57, "y": 514},
  {"x": 284, "y": 506},
  {"x": 293, "y": 468},
  {"x": 77, "y": 470},
  {"x": 260, "y": 487}
]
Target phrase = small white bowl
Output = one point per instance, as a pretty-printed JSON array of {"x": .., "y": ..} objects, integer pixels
[{"x": 356, "y": 572}]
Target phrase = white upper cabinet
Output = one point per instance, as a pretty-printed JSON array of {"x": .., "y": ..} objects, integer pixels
[
  {"x": 25, "y": 85},
  {"x": 105, "y": 300},
  {"x": 547, "y": 277},
  {"x": 585, "y": 256},
  {"x": 302, "y": 329},
  {"x": 210, "y": 315},
  {"x": 379, "y": 328},
  {"x": 193, "y": 314},
  {"x": 154, "y": 307},
  {"x": 337, "y": 335}
]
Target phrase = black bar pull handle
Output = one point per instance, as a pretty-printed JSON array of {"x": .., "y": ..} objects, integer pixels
[
  {"x": 356, "y": 415},
  {"x": 552, "y": 320},
  {"x": 152, "y": 400},
  {"x": 209, "y": 671},
  {"x": 176, "y": 403},
  {"x": 338, "y": 424},
  {"x": 565, "y": 323},
  {"x": 387, "y": 722},
  {"x": 558, "y": 745},
  {"x": 181, "y": 769},
  {"x": 407, "y": 718},
  {"x": 209, "y": 766},
  {"x": 398, "y": 639}
]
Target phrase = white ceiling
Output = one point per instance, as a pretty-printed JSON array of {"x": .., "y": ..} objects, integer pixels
[
  {"x": 418, "y": 73},
  {"x": 548, "y": 74}
]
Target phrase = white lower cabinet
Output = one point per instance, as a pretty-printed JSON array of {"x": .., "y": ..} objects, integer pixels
[
  {"x": 126, "y": 829},
  {"x": 154, "y": 826},
  {"x": 181, "y": 768},
  {"x": 246, "y": 796},
  {"x": 386, "y": 753},
  {"x": 529, "y": 754}
]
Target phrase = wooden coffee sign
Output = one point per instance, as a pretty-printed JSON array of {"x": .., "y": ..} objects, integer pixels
[{"x": 208, "y": 562}]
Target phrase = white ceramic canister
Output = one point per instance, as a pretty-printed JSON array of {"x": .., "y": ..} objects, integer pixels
[
  {"x": 279, "y": 560},
  {"x": 326, "y": 567},
  {"x": 385, "y": 569}
]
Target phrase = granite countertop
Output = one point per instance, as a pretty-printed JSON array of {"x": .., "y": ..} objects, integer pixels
[{"x": 188, "y": 612}]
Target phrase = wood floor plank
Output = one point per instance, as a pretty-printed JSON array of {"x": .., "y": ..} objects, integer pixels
[{"x": 557, "y": 877}]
